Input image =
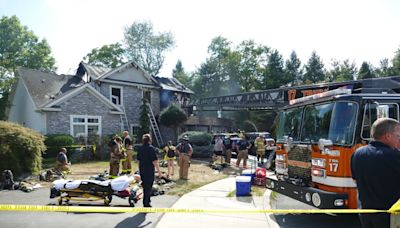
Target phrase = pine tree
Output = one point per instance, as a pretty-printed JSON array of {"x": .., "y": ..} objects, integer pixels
[{"x": 144, "y": 119}]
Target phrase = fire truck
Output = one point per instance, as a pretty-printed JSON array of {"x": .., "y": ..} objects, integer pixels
[{"x": 316, "y": 136}]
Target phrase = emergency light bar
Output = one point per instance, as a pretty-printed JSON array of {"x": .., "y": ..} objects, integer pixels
[{"x": 330, "y": 93}]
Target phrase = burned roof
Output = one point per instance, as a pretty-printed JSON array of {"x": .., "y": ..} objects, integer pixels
[
  {"x": 45, "y": 87},
  {"x": 172, "y": 84},
  {"x": 91, "y": 70}
]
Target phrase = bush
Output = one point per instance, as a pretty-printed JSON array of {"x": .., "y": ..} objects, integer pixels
[
  {"x": 202, "y": 151},
  {"x": 55, "y": 142},
  {"x": 20, "y": 149},
  {"x": 197, "y": 138}
]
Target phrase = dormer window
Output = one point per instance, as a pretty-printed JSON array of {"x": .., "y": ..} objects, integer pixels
[{"x": 116, "y": 95}]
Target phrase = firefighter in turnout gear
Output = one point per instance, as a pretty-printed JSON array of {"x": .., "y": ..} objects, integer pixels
[
  {"x": 127, "y": 161},
  {"x": 115, "y": 157},
  {"x": 184, "y": 150},
  {"x": 260, "y": 145}
]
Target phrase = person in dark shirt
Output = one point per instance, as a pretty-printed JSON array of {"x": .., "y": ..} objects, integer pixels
[
  {"x": 62, "y": 160},
  {"x": 147, "y": 160},
  {"x": 376, "y": 170}
]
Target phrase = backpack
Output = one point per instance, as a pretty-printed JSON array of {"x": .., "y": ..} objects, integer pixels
[{"x": 171, "y": 152}]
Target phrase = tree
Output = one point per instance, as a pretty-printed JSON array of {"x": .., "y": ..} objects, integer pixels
[
  {"x": 109, "y": 56},
  {"x": 396, "y": 63},
  {"x": 144, "y": 118},
  {"x": 251, "y": 56},
  {"x": 315, "y": 71},
  {"x": 342, "y": 71},
  {"x": 274, "y": 75},
  {"x": 366, "y": 71},
  {"x": 173, "y": 116},
  {"x": 293, "y": 73},
  {"x": 147, "y": 48},
  {"x": 180, "y": 74},
  {"x": 19, "y": 47}
]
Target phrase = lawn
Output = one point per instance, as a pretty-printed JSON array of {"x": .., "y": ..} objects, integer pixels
[{"x": 200, "y": 174}]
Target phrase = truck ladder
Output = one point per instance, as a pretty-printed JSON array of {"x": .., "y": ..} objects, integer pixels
[{"x": 154, "y": 126}]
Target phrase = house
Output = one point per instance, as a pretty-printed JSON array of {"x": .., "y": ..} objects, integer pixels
[{"x": 96, "y": 101}]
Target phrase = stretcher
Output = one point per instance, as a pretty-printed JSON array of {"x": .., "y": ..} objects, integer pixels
[{"x": 91, "y": 190}]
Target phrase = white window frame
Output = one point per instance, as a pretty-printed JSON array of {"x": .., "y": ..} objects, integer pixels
[
  {"x": 138, "y": 137},
  {"x": 121, "y": 93},
  {"x": 86, "y": 123}
]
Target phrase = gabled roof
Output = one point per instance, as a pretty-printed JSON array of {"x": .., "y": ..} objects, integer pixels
[
  {"x": 45, "y": 87},
  {"x": 172, "y": 84},
  {"x": 91, "y": 70},
  {"x": 131, "y": 64},
  {"x": 87, "y": 87}
]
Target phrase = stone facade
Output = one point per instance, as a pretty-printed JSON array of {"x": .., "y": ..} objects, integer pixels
[
  {"x": 82, "y": 104},
  {"x": 132, "y": 100}
]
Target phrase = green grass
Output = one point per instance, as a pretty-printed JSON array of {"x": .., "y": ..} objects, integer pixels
[{"x": 255, "y": 191}]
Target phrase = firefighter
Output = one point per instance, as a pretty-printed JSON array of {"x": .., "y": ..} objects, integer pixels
[
  {"x": 115, "y": 156},
  {"x": 184, "y": 150},
  {"x": 243, "y": 148},
  {"x": 127, "y": 161},
  {"x": 259, "y": 143}
]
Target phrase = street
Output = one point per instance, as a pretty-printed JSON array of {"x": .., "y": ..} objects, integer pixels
[{"x": 68, "y": 220}]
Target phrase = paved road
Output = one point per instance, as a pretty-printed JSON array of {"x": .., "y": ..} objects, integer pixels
[
  {"x": 70, "y": 220},
  {"x": 312, "y": 220}
]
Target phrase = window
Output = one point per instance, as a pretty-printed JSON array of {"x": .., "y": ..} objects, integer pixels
[
  {"x": 85, "y": 126},
  {"x": 135, "y": 129},
  {"x": 116, "y": 95},
  {"x": 371, "y": 114},
  {"x": 289, "y": 124},
  {"x": 343, "y": 123},
  {"x": 147, "y": 95},
  {"x": 317, "y": 120}
]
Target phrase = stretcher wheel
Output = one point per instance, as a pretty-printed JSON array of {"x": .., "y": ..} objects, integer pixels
[
  {"x": 108, "y": 200},
  {"x": 132, "y": 201},
  {"x": 60, "y": 201}
]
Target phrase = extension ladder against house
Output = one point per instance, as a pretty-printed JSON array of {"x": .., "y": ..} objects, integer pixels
[
  {"x": 154, "y": 127},
  {"x": 124, "y": 120}
]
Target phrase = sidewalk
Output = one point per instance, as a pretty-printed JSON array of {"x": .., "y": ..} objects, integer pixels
[{"x": 214, "y": 196}]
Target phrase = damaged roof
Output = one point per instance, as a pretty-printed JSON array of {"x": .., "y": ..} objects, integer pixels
[
  {"x": 172, "y": 84},
  {"x": 45, "y": 87},
  {"x": 92, "y": 71}
]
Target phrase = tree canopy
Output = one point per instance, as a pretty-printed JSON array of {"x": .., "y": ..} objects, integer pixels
[
  {"x": 19, "y": 47},
  {"x": 109, "y": 56},
  {"x": 146, "y": 47}
]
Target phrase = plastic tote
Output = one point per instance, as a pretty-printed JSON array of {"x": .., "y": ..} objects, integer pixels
[
  {"x": 249, "y": 172},
  {"x": 243, "y": 185}
]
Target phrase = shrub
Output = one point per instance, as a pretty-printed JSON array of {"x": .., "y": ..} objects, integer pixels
[
  {"x": 197, "y": 138},
  {"x": 20, "y": 149},
  {"x": 55, "y": 142},
  {"x": 202, "y": 151}
]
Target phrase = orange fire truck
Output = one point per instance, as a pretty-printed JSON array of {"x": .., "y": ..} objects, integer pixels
[{"x": 316, "y": 136}]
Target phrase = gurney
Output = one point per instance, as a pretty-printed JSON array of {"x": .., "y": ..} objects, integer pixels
[{"x": 91, "y": 190}]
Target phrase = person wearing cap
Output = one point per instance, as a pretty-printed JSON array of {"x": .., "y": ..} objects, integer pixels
[
  {"x": 147, "y": 161},
  {"x": 184, "y": 151}
]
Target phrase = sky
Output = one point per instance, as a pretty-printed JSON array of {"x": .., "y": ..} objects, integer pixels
[{"x": 358, "y": 30}]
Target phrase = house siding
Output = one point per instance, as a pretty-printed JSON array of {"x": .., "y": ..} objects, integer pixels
[
  {"x": 23, "y": 110},
  {"x": 82, "y": 104}
]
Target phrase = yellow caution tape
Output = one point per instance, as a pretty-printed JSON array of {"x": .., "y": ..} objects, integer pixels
[{"x": 38, "y": 208}]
